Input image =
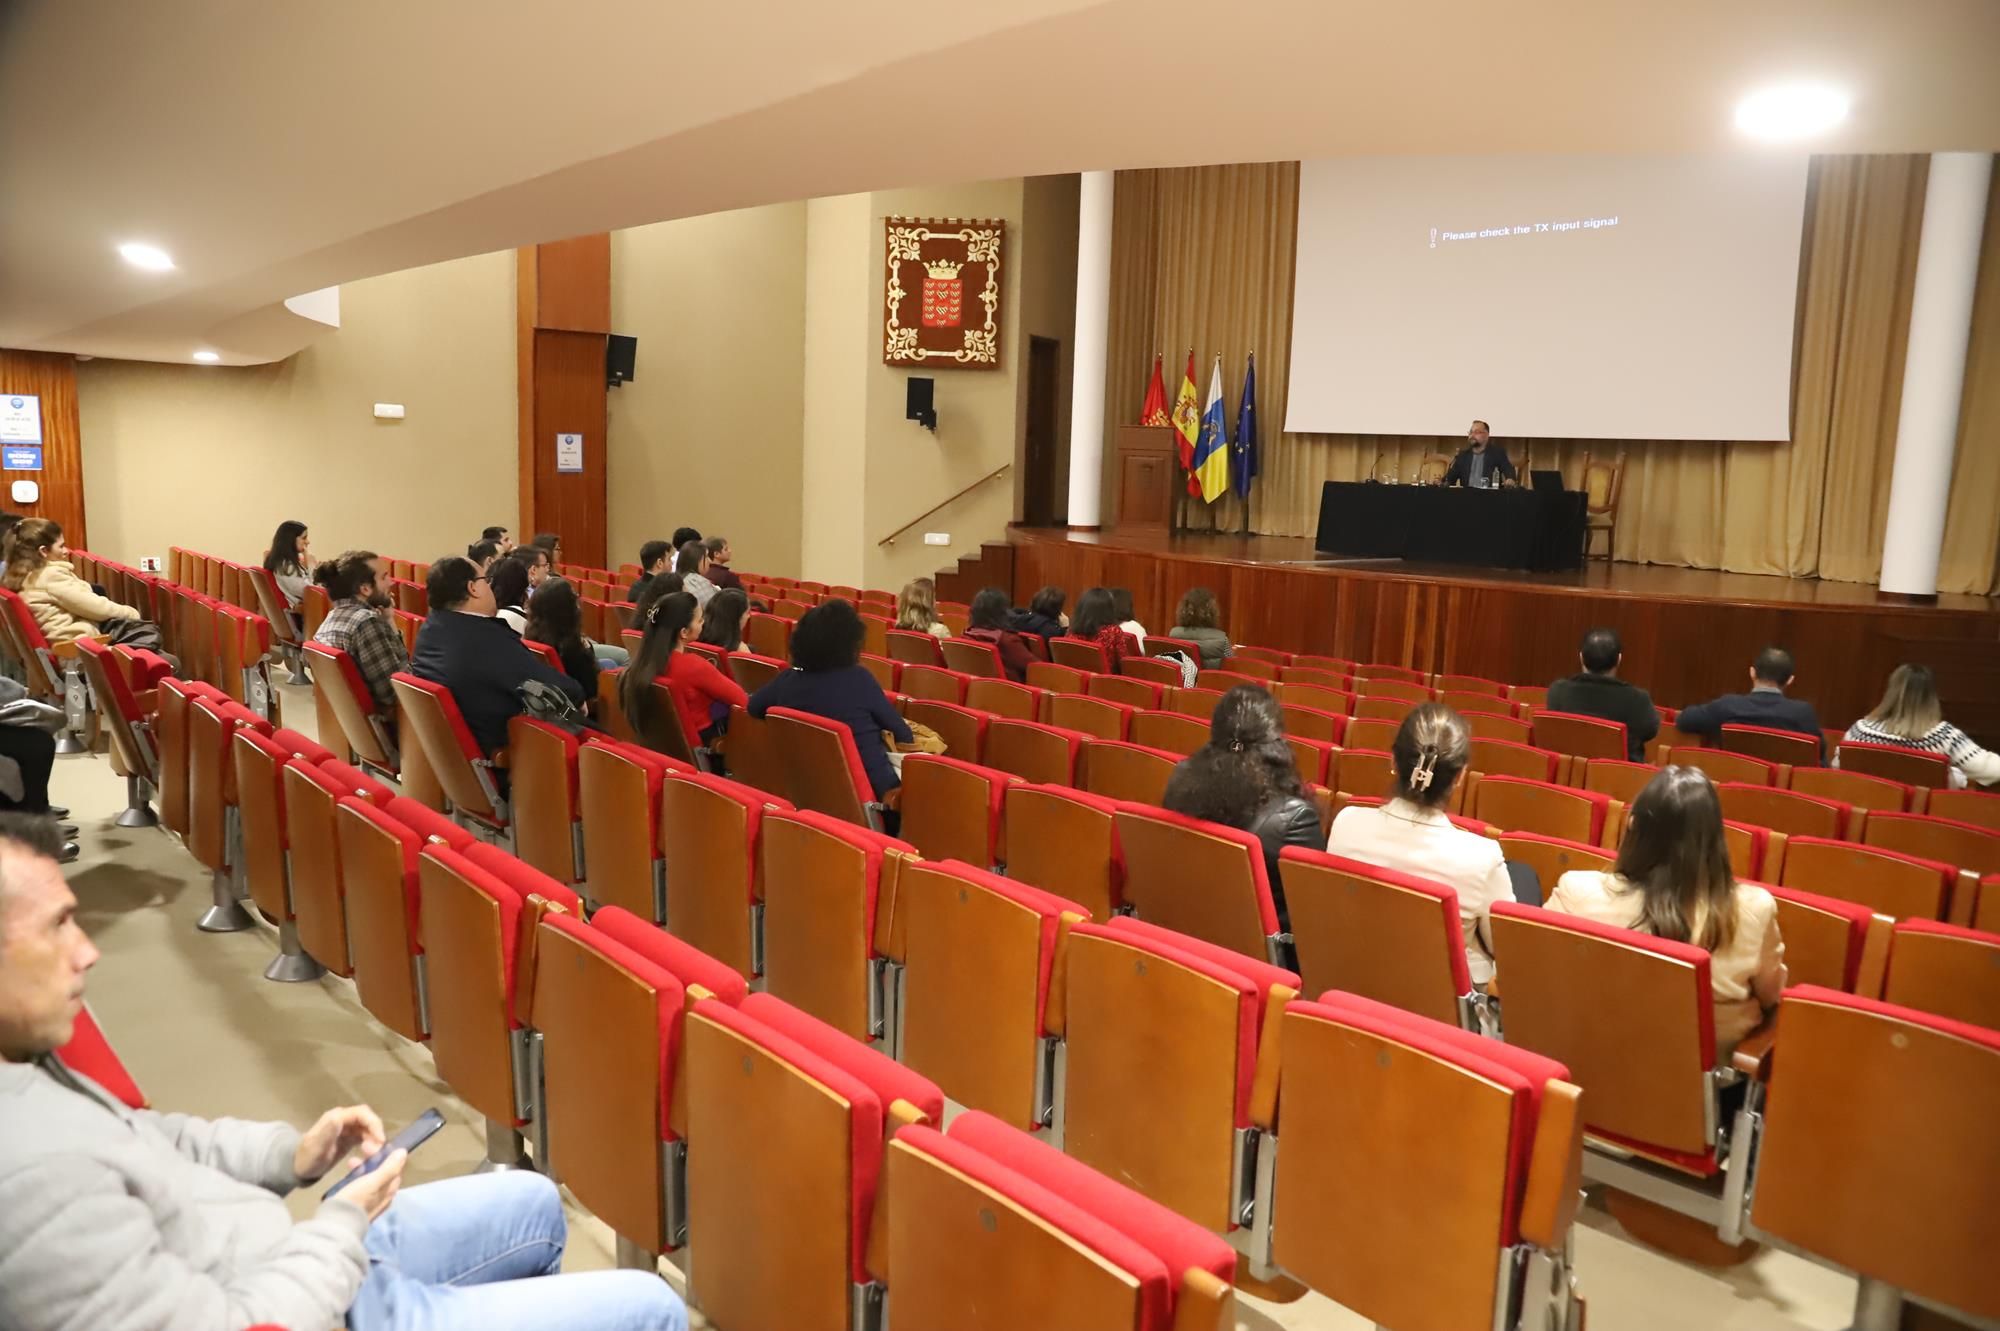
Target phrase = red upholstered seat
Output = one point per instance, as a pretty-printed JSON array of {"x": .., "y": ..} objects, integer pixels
[
  {"x": 953, "y": 809},
  {"x": 1390, "y": 936},
  {"x": 1824, "y": 937},
  {"x": 90, "y": 1053},
  {"x": 823, "y": 767}
]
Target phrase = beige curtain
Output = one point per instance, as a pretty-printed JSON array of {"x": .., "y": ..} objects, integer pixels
[{"x": 1204, "y": 255}]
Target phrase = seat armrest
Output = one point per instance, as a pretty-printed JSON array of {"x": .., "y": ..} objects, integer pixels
[
  {"x": 65, "y": 650},
  {"x": 1264, "y": 1083},
  {"x": 900, "y": 1114},
  {"x": 1554, "y": 1188},
  {"x": 1055, "y": 1007},
  {"x": 1753, "y": 1054},
  {"x": 1205, "y": 1303}
]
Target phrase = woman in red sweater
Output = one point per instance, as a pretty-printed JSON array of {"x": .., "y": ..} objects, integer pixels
[
  {"x": 990, "y": 619},
  {"x": 701, "y": 694},
  {"x": 1096, "y": 620}
]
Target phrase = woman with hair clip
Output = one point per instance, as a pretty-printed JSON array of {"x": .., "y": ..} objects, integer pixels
[
  {"x": 290, "y": 562},
  {"x": 1412, "y": 833},
  {"x": 1245, "y": 777},
  {"x": 1910, "y": 717},
  {"x": 1672, "y": 880},
  {"x": 702, "y": 694}
]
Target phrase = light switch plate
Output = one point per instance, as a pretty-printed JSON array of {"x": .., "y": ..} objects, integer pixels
[
  {"x": 937, "y": 538},
  {"x": 149, "y": 563}
]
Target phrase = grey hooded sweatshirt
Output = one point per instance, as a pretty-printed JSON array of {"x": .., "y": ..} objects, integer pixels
[{"x": 140, "y": 1221}]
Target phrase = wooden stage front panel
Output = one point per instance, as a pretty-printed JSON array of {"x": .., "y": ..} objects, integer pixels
[{"x": 1689, "y": 634}]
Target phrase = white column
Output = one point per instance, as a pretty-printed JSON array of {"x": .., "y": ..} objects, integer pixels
[
  {"x": 1934, "y": 370},
  {"x": 1093, "y": 324}
]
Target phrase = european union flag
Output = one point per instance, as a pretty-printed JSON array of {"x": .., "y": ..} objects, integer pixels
[{"x": 1243, "y": 453}]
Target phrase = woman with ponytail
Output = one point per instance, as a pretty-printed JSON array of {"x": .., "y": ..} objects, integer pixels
[
  {"x": 702, "y": 694},
  {"x": 1412, "y": 833}
]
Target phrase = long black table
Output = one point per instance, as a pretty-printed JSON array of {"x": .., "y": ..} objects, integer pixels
[{"x": 1518, "y": 528}]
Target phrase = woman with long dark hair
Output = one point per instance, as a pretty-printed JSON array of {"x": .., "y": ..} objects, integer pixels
[
  {"x": 700, "y": 693},
  {"x": 722, "y": 619},
  {"x": 1245, "y": 777},
  {"x": 991, "y": 620},
  {"x": 290, "y": 561},
  {"x": 1096, "y": 620},
  {"x": 1672, "y": 880},
  {"x": 555, "y": 618}
]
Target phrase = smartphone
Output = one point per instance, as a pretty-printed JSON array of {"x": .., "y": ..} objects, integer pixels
[{"x": 409, "y": 1139}]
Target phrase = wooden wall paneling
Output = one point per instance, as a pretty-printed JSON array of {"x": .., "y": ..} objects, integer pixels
[
  {"x": 51, "y": 376},
  {"x": 563, "y": 313}
]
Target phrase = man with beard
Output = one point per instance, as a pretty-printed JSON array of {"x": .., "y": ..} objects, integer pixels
[{"x": 359, "y": 622}]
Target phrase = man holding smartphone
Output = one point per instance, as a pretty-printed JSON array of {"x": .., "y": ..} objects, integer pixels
[{"x": 146, "y": 1221}]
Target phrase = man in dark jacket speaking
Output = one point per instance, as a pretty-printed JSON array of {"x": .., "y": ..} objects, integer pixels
[{"x": 1481, "y": 463}]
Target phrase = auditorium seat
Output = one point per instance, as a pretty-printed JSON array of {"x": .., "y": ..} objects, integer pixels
[
  {"x": 410, "y": 597},
  {"x": 1338, "y": 681},
  {"x": 175, "y": 697},
  {"x": 119, "y": 678},
  {"x": 1886, "y": 881},
  {"x": 1913, "y": 767},
  {"x": 1945, "y": 970},
  {"x": 790, "y": 1120},
  {"x": 1078, "y": 654},
  {"x": 1979, "y": 807},
  {"x": 243, "y": 641},
  {"x": 1579, "y": 736},
  {"x": 1172, "y": 731},
  {"x": 1313, "y": 758},
  {"x": 1974, "y": 849},
  {"x": 1266, "y": 673},
  {"x": 1616, "y": 777},
  {"x": 975, "y": 657},
  {"x": 608, "y": 1001},
  {"x": 753, "y": 671},
  {"x": 618, "y": 800},
  {"x": 975, "y": 958},
  {"x": 1160, "y": 644},
  {"x": 379, "y": 845},
  {"x": 554, "y": 661},
  {"x": 1551, "y": 857},
  {"x": 1338, "y": 665},
  {"x": 260, "y": 797},
  {"x": 1393, "y": 937},
  {"x": 1226, "y": 679},
  {"x": 990, "y": 1230},
  {"x": 954, "y": 809},
  {"x": 1123, "y": 771},
  {"x": 467, "y": 775},
  {"x": 1862, "y": 791},
  {"x": 214, "y": 837},
  {"x": 933, "y": 682},
  {"x": 1367, "y": 671},
  {"x": 767, "y": 635},
  {"x": 1139, "y": 694},
  {"x": 1788, "y": 811},
  {"x": 51, "y": 671},
  {"x": 312, "y": 830},
  {"x": 1058, "y": 678},
  {"x": 1830, "y": 942},
  {"x": 793, "y": 608},
  {"x": 1499, "y": 757},
  {"x": 1311, "y": 722},
  {"x": 914, "y": 648},
  {"x": 370, "y": 735},
  {"x": 1065, "y": 842},
  {"x": 829, "y": 890},
  {"x": 1034, "y": 752},
  {"x": 1582, "y": 992},
  {"x": 1393, "y": 710},
  {"x": 1097, "y": 717},
  {"x": 1199, "y": 703},
  {"x": 1496, "y": 725},
  {"x": 1003, "y": 697},
  {"x": 963, "y": 729},
  {"x": 1907, "y": 1207},
  {"x": 1781, "y": 748},
  {"x": 1754, "y": 852},
  {"x": 1395, "y": 689},
  {"x": 1447, "y": 1229},
  {"x": 478, "y": 915},
  {"x": 1165, "y": 1040},
  {"x": 710, "y": 831},
  {"x": 1371, "y": 733},
  {"x": 887, "y": 673},
  {"x": 1152, "y": 669},
  {"x": 1473, "y": 684},
  {"x": 1366, "y": 772},
  {"x": 1516, "y": 805},
  {"x": 1201, "y": 879},
  {"x": 1468, "y": 703},
  {"x": 823, "y": 769},
  {"x": 1722, "y": 765},
  {"x": 89, "y": 1052}
]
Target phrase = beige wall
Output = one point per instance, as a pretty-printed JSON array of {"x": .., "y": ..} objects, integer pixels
[
  {"x": 707, "y": 433},
  {"x": 216, "y": 457},
  {"x": 840, "y": 320}
]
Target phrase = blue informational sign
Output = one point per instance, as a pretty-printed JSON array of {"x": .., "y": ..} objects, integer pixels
[
  {"x": 20, "y": 418},
  {"x": 19, "y": 458}
]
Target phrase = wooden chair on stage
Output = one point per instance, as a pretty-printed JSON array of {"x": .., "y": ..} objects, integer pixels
[{"x": 1602, "y": 484}]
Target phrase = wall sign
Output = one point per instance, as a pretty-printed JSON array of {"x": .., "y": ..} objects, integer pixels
[
  {"x": 941, "y": 292},
  {"x": 20, "y": 418},
  {"x": 21, "y": 457},
  {"x": 569, "y": 452}
]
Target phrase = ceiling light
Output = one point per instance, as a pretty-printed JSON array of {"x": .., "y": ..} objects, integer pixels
[
  {"x": 208, "y": 357},
  {"x": 150, "y": 257},
  {"x": 1791, "y": 111}
]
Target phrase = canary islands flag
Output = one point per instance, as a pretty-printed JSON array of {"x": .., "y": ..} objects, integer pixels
[{"x": 1211, "y": 450}]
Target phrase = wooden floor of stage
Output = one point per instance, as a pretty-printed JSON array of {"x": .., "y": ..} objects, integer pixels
[{"x": 1689, "y": 634}]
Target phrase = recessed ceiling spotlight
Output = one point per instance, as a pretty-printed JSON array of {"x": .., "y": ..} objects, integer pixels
[
  {"x": 1791, "y": 111},
  {"x": 150, "y": 257},
  {"x": 208, "y": 357}
]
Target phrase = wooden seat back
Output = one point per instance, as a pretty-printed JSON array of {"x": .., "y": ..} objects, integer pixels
[
  {"x": 1755, "y": 852},
  {"x": 1320, "y": 698},
  {"x": 710, "y": 828},
  {"x": 1786, "y": 810},
  {"x": 1078, "y": 654},
  {"x": 963, "y": 729},
  {"x": 1152, "y": 670},
  {"x": 1978, "y": 807},
  {"x": 1003, "y": 697},
  {"x": 1495, "y": 725},
  {"x": 1058, "y": 678},
  {"x": 828, "y": 889},
  {"x": 1912, "y": 767},
  {"x": 753, "y": 670},
  {"x": 768, "y": 635},
  {"x": 823, "y": 768},
  {"x": 1172, "y": 731},
  {"x": 1516, "y": 805},
  {"x": 1616, "y": 777},
  {"x": 1197, "y": 702},
  {"x": 1395, "y": 690},
  {"x": 1551, "y": 857},
  {"x": 975, "y": 657},
  {"x": 339, "y": 688},
  {"x": 1312, "y": 723},
  {"x": 1499, "y": 757},
  {"x": 1098, "y": 717},
  {"x": 1139, "y": 694},
  {"x": 1888, "y": 882},
  {"x": 542, "y": 768},
  {"x": 954, "y": 809},
  {"x": 379, "y": 845},
  {"x": 618, "y": 797},
  {"x": 1390, "y": 936},
  {"x": 1313, "y": 758},
  {"x": 1034, "y": 752},
  {"x": 1827, "y": 940},
  {"x": 1382, "y": 709},
  {"x": 260, "y": 800},
  {"x": 1130, "y": 772},
  {"x": 1198, "y": 878},
  {"x": 429, "y": 710},
  {"x": 1864, "y": 792},
  {"x": 1580, "y": 736},
  {"x": 1363, "y": 772},
  {"x": 1947, "y": 971},
  {"x": 1467, "y": 702},
  {"x": 933, "y": 682},
  {"x": 1780, "y": 748},
  {"x": 1967, "y": 845},
  {"x": 1722, "y": 765},
  {"x": 1065, "y": 842}
]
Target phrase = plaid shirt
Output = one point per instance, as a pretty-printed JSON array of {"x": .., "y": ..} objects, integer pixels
[{"x": 373, "y": 642}]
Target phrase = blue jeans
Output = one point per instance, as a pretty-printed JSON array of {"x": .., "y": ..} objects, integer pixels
[{"x": 471, "y": 1252}]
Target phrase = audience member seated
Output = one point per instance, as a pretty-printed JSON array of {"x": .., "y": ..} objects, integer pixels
[
  {"x": 464, "y": 647},
  {"x": 482, "y": 554},
  {"x": 359, "y": 621},
  {"x": 1044, "y": 616},
  {"x": 1097, "y": 621},
  {"x": 653, "y": 561},
  {"x": 1599, "y": 692},
  {"x": 501, "y": 537},
  {"x": 682, "y": 535},
  {"x": 702, "y": 693},
  {"x": 1412, "y": 833},
  {"x": 1672, "y": 880},
  {"x": 1765, "y": 704},
  {"x": 693, "y": 568},
  {"x": 290, "y": 562},
  {"x": 666, "y": 584},
  {"x": 1245, "y": 777},
  {"x": 991, "y": 621},
  {"x": 28, "y": 756},
  {"x": 1121, "y": 610},
  {"x": 719, "y": 572},
  {"x": 916, "y": 609},
  {"x": 65, "y": 608},
  {"x": 549, "y": 543},
  {"x": 510, "y": 580},
  {"x": 555, "y": 619},
  {"x": 722, "y": 619},
  {"x": 116, "y": 1217},
  {"x": 828, "y": 679},
  {"x": 1909, "y": 716},
  {"x": 1199, "y": 620}
]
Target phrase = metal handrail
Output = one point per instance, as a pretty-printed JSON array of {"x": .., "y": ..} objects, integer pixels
[{"x": 890, "y": 539}]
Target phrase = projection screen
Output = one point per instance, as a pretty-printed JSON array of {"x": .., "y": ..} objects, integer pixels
[{"x": 1554, "y": 297}]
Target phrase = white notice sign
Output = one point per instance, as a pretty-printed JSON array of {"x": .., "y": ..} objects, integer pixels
[
  {"x": 569, "y": 452},
  {"x": 20, "y": 418}
]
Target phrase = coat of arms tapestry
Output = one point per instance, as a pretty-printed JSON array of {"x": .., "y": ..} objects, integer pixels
[{"x": 942, "y": 294}]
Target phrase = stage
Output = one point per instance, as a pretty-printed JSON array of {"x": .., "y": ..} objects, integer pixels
[{"x": 1689, "y": 633}]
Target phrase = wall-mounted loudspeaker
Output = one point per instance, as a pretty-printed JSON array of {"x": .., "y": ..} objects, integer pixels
[
  {"x": 917, "y": 404},
  {"x": 619, "y": 353}
]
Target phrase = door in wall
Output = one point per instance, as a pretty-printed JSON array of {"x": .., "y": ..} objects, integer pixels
[{"x": 1038, "y": 481}]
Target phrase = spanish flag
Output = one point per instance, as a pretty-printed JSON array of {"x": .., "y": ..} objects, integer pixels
[
  {"x": 1187, "y": 420},
  {"x": 1154, "y": 410},
  {"x": 1211, "y": 454}
]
